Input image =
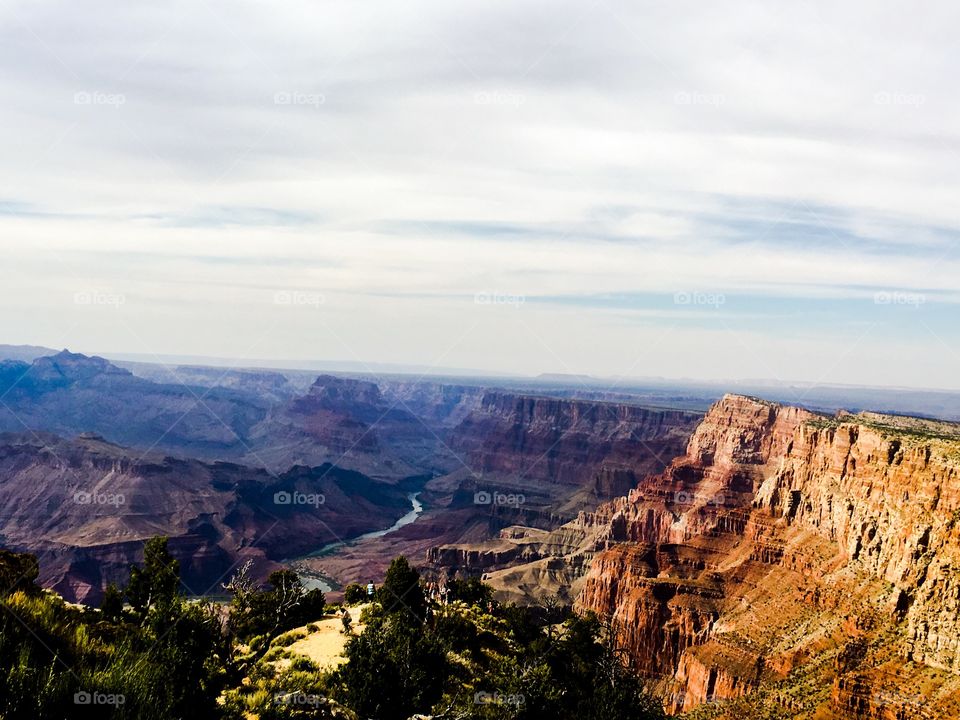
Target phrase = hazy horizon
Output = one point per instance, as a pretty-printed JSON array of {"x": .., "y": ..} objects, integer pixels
[{"x": 374, "y": 369}]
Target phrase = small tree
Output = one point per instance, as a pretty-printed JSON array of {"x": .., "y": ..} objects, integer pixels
[
  {"x": 283, "y": 605},
  {"x": 157, "y": 583},
  {"x": 112, "y": 605},
  {"x": 393, "y": 670},
  {"x": 287, "y": 595},
  {"x": 18, "y": 571},
  {"x": 401, "y": 593},
  {"x": 354, "y": 593},
  {"x": 471, "y": 591}
]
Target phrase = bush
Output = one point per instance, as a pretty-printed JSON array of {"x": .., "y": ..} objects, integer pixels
[
  {"x": 164, "y": 658},
  {"x": 472, "y": 591},
  {"x": 354, "y": 594}
]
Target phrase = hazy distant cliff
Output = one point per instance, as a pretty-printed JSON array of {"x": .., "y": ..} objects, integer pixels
[{"x": 598, "y": 447}]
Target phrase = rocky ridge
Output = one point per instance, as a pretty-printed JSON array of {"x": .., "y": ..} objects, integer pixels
[
  {"x": 784, "y": 555},
  {"x": 85, "y": 507}
]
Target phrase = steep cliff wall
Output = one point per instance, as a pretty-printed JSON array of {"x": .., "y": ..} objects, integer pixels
[
  {"x": 563, "y": 458},
  {"x": 889, "y": 497},
  {"x": 746, "y": 569},
  {"x": 596, "y": 447}
]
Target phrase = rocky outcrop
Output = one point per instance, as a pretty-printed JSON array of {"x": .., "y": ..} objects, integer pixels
[
  {"x": 741, "y": 570},
  {"x": 348, "y": 422},
  {"x": 594, "y": 447},
  {"x": 85, "y": 507}
]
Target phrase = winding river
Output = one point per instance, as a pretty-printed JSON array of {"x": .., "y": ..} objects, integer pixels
[{"x": 311, "y": 579}]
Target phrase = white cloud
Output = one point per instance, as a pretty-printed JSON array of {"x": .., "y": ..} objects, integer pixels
[{"x": 421, "y": 153}]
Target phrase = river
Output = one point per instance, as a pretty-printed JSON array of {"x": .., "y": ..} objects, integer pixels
[{"x": 312, "y": 580}]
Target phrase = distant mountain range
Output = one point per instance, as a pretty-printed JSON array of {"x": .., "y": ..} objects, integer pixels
[{"x": 680, "y": 393}]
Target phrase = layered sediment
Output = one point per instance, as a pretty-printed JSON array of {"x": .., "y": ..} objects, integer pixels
[{"x": 780, "y": 541}]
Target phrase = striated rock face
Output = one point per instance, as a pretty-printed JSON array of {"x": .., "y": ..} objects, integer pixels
[
  {"x": 657, "y": 619},
  {"x": 891, "y": 502},
  {"x": 440, "y": 406},
  {"x": 744, "y": 568},
  {"x": 592, "y": 446},
  {"x": 85, "y": 507},
  {"x": 534, "y": 463}
]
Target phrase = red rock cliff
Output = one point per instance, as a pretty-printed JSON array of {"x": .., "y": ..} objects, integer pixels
[
  {"x": 779, "y": 541},
  {"x": 569, "y": 442}
]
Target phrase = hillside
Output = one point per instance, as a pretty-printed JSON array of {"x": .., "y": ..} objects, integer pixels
[{"x": 805, "y": 564}]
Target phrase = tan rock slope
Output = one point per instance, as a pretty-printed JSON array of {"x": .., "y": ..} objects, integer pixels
[{"x": 789, "y": 565}]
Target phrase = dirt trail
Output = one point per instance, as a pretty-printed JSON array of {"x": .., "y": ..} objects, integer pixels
[{"x": 325, "y": 645}]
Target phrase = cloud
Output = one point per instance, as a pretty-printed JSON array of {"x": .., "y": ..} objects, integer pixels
[{"x": 400, "y": 159}]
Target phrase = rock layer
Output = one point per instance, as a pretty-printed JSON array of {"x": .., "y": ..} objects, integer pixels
[
  {"x": 745, "y": 568},
  {"x": 85, "y": 507},
  {"x": 594, "y": 448}
]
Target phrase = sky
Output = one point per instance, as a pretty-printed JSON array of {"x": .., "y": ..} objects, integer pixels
[{"x": 622, "y": 189}]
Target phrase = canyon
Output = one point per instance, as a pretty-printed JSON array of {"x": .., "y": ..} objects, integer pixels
[
  {"x": 759, "y": 560},
  {"x": 788, "y": 564},
  {"x": 520, "y": 459},
  {"x": 85, "y": 507},
  {"x": 72, "y": 420}
]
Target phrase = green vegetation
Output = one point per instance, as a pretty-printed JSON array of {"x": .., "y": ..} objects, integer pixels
[
  {"x": 161, "y": 657},
  {"x": 469, "y": 659},
  {"x": 353, "y": 594},
  {"x": 894, "y": 426},
  {"x": 283, "y": 605},
  {"x": 822, "y": 422},
  {"x": 151, "y": 653}
]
